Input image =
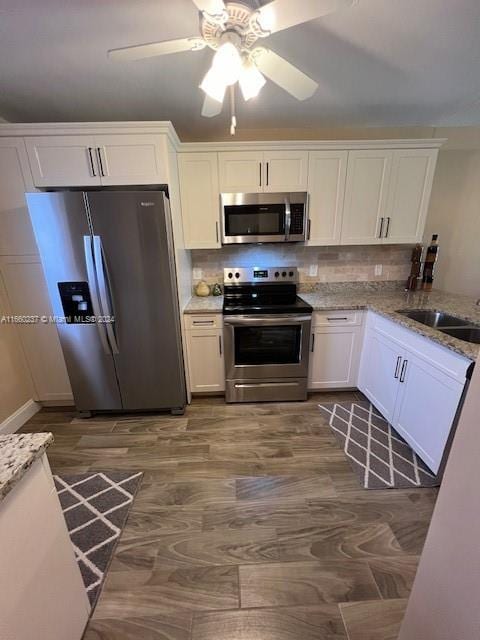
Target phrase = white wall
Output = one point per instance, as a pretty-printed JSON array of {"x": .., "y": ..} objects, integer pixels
[
  {"x": 455, "y": 215},
  {"x": 444, "y": 601}
]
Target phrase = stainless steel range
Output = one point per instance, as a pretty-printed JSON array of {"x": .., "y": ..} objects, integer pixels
[{"x": 266, "y": 333}]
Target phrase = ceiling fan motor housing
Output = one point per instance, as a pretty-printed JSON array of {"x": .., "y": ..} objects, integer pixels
[{"x": 240, "y": 21}]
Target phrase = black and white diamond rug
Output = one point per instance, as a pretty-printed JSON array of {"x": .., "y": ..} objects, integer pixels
[
  {"x": 95, "y": 507},
  {"x": 379, "y": 456}
]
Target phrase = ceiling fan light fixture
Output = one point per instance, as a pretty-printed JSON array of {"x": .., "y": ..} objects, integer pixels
[
  {"x": 227, "y": 63},
  {"x": 251, "y": 80},
  {"x": 214, "y": 85}
]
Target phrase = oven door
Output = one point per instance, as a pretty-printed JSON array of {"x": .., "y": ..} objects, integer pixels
[{"x": 266, "y": 347}]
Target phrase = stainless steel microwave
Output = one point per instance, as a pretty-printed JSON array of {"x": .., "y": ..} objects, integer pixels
[{"x": 264, "y": 217}]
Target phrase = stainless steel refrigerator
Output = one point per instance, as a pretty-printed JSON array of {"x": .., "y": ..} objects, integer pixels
[{"x": 109, "y": 254}]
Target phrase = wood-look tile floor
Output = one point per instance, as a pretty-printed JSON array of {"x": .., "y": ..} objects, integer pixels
[{"x": 249, "y": 525}]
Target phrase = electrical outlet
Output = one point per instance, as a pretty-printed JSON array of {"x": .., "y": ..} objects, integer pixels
[
  {"x": 378, "y": 269},
  {"x": 313, "y": 270},
  {"x": 197, "y": 274}
]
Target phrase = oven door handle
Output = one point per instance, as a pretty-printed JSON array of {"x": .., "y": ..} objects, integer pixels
[{"x": 265, "y": 320}]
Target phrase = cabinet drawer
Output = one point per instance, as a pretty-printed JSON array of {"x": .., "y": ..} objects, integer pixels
[
  {"x": 337, "y": 318},
  {"x": 206, "y": 321}
]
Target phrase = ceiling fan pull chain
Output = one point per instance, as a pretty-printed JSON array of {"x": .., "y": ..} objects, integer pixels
[{"x": 233, "y": 124}]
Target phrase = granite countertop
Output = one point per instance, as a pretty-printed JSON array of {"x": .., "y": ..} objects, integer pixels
[
  {"x": 18, "y": 451},
  {"x": 209, "y": 304},
  {"x": 387, "y": 303}
]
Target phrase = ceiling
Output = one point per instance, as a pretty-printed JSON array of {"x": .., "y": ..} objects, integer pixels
[{"x": 382, "y": 63}]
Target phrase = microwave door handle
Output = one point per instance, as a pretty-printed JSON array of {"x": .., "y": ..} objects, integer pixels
[
  {"x": 92, "y": 285},
  {"x": 102, "y": 279},
  {"x": 288, "y": 218}
]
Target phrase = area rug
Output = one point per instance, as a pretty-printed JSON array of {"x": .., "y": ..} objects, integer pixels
[
  {"x": 95, "y": 507},
  {"x": 379, "y": 456}
]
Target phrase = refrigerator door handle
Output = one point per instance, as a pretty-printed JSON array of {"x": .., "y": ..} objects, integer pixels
[
  {"x": 92, "y": 284},
  {"x": 103, "y": 292}
]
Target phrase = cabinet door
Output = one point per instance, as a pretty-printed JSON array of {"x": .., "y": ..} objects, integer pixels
[
  {"x": 409, "y": 194},
  {"x": 198, "y": 174},
  {"x": 368, "y": 176},
  {"x": 327, "y": 172},
  {"x": 205, "y": 360},
  {"x": 63, "y": 161},
  {"x": 16, "y": 233},
  {"x": 241, "y": 172},
  {"x": 426, "y": 406},
  {"x": 131, "y": 159},
  {"x": 379, "y": 371},
  {"x": 27, "y": 295},
  {"x": 285, "y": 170},
  {"x": 334, "y": 358}
]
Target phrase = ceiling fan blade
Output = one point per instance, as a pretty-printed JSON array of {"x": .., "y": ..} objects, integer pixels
[
  {"x": 211, "y": 107},
  {"x": 212, "y": 7},
  {"x": 280, "y": 71},
  {"x": 153, "y": 49},
  {"x": 282, "y": 14}
]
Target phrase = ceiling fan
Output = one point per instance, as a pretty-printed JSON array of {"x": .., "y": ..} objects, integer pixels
[{"x": 232, "y": 30}]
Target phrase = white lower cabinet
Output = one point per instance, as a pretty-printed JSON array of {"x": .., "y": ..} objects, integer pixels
[
  {"x": 43, "y": 595},
  {"x": 379, "y": 372},
  {"x": 426, "y": 406},
  {"x": 335, "y": 348},
  {"x": 205, "y": 352},
  {"x": 416, "y": 384}
]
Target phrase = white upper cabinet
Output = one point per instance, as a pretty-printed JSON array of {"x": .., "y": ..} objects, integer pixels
[
  {"x": 241, "y": 171},
  {"x": 81, "y": 161},
  {"x": 409, "y": 194},
  {"x": 131, "y": 159},
  {"x": 387, "y": 195},
  {"x": 59, "y": 161},
  {"x": 285, "y": 171},
  {"x": 198, "y": 173},
  {"x": 366, "y": 196},
  {"x": 327, "y": 172},
  {"x": 16, "y": 233},
  {"x": 258, "y": 171}
]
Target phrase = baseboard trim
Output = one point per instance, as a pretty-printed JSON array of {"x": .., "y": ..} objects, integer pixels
[{"x": 19, "y": 417}]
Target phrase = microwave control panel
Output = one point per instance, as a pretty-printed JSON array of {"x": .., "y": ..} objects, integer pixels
[{"x": 297, "y": 217}]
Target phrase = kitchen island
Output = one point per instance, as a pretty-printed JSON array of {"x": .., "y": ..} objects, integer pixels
[{"x": 43, "y": 596}]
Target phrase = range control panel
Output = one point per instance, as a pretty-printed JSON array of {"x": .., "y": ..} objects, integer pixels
[{"x": 240, "y": 275}]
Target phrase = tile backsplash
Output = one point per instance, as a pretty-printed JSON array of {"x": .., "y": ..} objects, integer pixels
[{"x": 334, "y": 264}]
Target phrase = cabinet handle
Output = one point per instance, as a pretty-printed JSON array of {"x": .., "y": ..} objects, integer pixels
[
  {"x": 309, "y": 225},
  {"x": 267, "y": 172},
  {"x": 397, "y": 368},
  {"x": 216, "y": 230},
  {"x": 92, "y": 166},
  {"x": 260, "y": 165},
  {"x": 332, "y": 319},
  {"x": 404, "y": 371},
  {"x": 100, "y": 163},
  {"x": 380, "y": 235},
  {"x": 388, "y": 228},
  {"x": 312, "y": 349},
  {"x": 220, "y": 344},
  {"x": 203, "y": 322}
]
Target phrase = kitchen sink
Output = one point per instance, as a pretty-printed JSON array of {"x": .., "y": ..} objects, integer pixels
[
  {"x": 446, "y": 323},
  {"x": 469, "y": 334},
  {"x": 435, "y": 319}
]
